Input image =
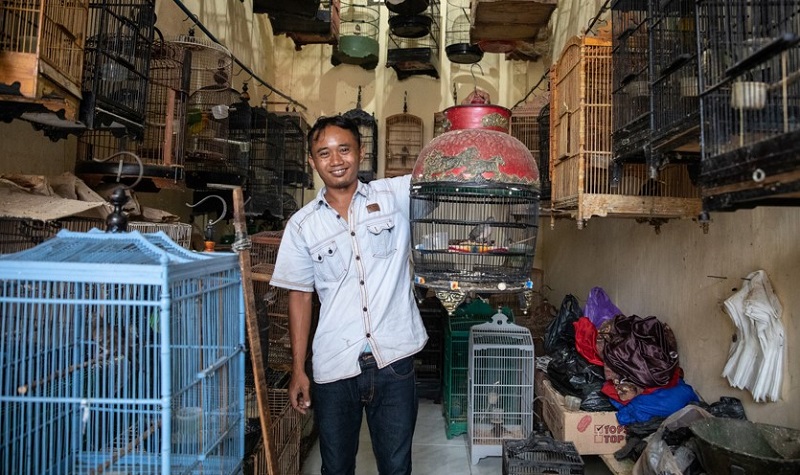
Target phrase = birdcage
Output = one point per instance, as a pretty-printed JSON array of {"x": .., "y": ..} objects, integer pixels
[
  {"x": 527, "y": 128},
  {"x": 416, "y": 53},
  {"x": 126, "y": 349},
  {"x": 368, "y": 127},
  {"x": 750, "y": 55},
  {"x": 94, "y": 148},
  {"x": 296, "y": 169},
  {"x": 676, "y": 105},
  {"x": 544, "y": 154},
  {"x": 630, "y": 90},
  {"x": 438, "y": 124},
  {"x": 403, "y": 141},
  {"x": 41, "y": 58},
  {"x": 500, "y": 397},
  {"x": 320, "y": 28},
  {"x": 580, "y": 148},
  {"x": 180, "y": 233},
  {"x": 21, "y": 234},
  {"x": 458, "y": 46},
  {"x": 359, "y": 27},
  {"x": 117, "y": 65},
  {"x": 265, "y": 175},
  {"x": 539, "y": 454},
  {"x": 456, "y": 364}
]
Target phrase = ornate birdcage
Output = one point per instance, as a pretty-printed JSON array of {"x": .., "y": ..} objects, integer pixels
[
  {"x": 458, "y": 46},
  {"x": 359, "y": 28},
  {"x": 749, "y": 58},
  {"x": 135, "y": 363},
  {"x": 630, "y": 94},
  {"x": 417, "y": 52},
  {"x": 403, "y": 141},
  {"x": 41, "y": 63},
  {"x": 320, "y": 28},
  {"x": 580, "y": 147},
  {"x": 500, "y": 387},
  {"x": 368, "y": 127},
  {"x": 676, "y": 105},
  {"x": 117, "y": 65},
  {"x": 527, "y": 128}
]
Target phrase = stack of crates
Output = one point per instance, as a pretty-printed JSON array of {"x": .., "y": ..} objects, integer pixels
[{"x": 456, "y": 362}]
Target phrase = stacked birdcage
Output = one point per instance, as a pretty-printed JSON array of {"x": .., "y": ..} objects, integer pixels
[
  {"x": 581, "y": 153},
  {"x": 500, "y": 399},
  {"x": 126, "y": 349},
  {"x": 359, "y": 28},
  {"x": 117, "y": 65},
  {"x": 676, "y": 106},
  {"x": 631, "y": 80},
  {"x": 265, "y": 176},
  {"x": 749, "y": 58},
  {"x": 21, "y": 234},
  {"x": 404, "y": 134},
  {"x": 527, "y": 128},
  {"x": 41, "y": 65},
  {"x": 413, "y": 45}
]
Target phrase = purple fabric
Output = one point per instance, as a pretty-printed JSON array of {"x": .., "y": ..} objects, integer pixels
[
  {"x": 599, "y": 307},
  {"x": 641, "y": 350}
]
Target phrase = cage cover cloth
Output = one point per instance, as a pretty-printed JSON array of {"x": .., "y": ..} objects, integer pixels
[{"x": 346, "y": 261}]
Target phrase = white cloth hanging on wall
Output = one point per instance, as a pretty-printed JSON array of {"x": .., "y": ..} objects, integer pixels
[{"x": 756, "y": 358}]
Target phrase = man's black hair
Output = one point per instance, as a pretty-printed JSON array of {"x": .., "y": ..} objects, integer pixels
[{"x": 333, "y": 120}]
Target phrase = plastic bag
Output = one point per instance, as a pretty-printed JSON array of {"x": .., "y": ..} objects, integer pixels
[
  {"x": 560, "y": 332},
  {"x": 571, "y": 374},
  {"x": 599, "y": 307},
  {"x": 658, "y": 457}
]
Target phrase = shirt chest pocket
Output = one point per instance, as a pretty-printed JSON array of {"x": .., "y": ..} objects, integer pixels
[
  {"x": 328, "y": 262},
  {"x": 382, "y": 238}
]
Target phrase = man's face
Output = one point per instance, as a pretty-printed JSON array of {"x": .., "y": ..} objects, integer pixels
[{"x": 336, "y": 156}]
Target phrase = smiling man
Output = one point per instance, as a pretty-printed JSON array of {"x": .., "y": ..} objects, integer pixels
[{"x": 351, "y": 244}]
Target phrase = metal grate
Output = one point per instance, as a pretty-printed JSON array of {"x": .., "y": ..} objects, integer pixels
[
  {"x": 676, "y": 107},
  {"x": 500, "y": 386},
  {"x": 749, "y": 58},
  {"x": 117, "y": 65},
  {"x": 631, "y": 79},
  {"x": 403, "y": 143},
  {"x": 111, "y": 350}
]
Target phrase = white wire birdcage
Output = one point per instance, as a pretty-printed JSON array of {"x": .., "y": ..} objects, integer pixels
[
  {"x": 120, "y": 353},
  {"x": 500, "y": 398}
]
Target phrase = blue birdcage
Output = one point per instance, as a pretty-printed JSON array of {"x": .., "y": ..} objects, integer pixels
[{"x": 120, "y": 353}]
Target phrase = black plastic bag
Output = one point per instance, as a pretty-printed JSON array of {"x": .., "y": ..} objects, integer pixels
[
  {"x": 596, "y": 401},
  {"x": 570, "y": 373},
  {"x": 559, "y": 332}
]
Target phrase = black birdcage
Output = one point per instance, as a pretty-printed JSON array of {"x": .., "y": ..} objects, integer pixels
[
  {"x": 631, "y": 80},
  {"x": 526, "y": 127},
  {"x": 296, "y": 169},
  {"x": 117, "y": 64},
  {"x": 320, "y": 28},
  {"x": 404, "y": 134},
  {"x": 162, "y": 147},
  {"x": 673, "y": 57},
  {"x": 368, "y": 126},
  {"x": 359, "y": 28},
  {"x": 544, "y": 152},
  {"x": 265, "y": 175},
  {"x": 416, "y": 54},
  {"x": 750, "y": 100},
  {"x": 458, "y": 45}
]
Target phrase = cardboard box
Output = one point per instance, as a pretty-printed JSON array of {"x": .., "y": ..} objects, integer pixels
[{"x": 593, "y": 433}]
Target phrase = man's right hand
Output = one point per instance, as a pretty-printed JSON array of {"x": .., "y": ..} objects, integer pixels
[{"x": 300, "y": 391}]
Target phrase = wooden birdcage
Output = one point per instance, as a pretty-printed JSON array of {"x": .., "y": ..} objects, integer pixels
[
  {"x": 320, "y": 28},
  {"x": 41, "y": 59},
  {"x": 403, "y": 142},
  {"x": 580, "y": 147},
  {"x": 526, "y": 128}
]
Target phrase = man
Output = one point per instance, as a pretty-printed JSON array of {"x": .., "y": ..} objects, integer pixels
[{"x": 352, "y": 243}]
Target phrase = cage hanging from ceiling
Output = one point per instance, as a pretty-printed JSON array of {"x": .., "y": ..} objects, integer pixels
[
  {"x": 458, "y": 46},
  {"x": 630, "y": 90},
  {"x": 368, "y": 127},
  {"x": 320, "y": 28},
  {"x": 676, "y": 105},
  {"x": 749, "y": 56},
  {"x": 125, "y": 351},
  {"x": 41, "y": 64},
  {"x": 417, "y": 54},
  {"x": 117, "y": 64},
  {"x": 474, "y": 207},
  {"x": 162, "y": 147},
  {"x": 359, "y": 28},
  {"x": 526, "y": 127}
]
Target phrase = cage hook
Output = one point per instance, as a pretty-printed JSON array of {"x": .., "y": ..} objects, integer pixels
[
  {"x": 122, "y": 155},
  {"x": 405, "y": 102},
  {"x": 472, "y": 72},
  {"x": 455, "y": 94},
  {"x": 209, "y": 233}
]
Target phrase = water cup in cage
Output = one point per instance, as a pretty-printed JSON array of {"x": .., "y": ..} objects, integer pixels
[
  {"x": 435, "y": 241},
  {"x": 187, "y": 430},
  {"x": 749, "y": 95},
  {"x": 220, "y": 111}
]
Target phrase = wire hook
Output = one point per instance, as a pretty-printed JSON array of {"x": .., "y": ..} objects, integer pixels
[
  {"x": 224, "y": 208},
  {"x": 122, "y": 154},
  {"x": 472, "y": 72}
]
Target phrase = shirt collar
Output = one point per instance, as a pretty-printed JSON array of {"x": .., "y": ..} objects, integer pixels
[{"x": 364, "y": 189}]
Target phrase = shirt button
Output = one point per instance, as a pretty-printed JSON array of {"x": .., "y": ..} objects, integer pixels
[
  {"x": 352, "y": 233},
  {"x": 330, "y": 251},
  {"x": 361, "y": 282},
  {"x": 369, "y": 335},
  {"x": 364, "y": 309},
  {"x": 358, "y": 258}
]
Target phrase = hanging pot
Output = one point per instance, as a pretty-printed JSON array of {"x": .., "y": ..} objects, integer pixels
[
  {"x": 463, "y": 53},
  {"x": 410, "y": 26}
]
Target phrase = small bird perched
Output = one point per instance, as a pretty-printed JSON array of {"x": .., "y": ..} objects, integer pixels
[{"x": 481, "y": 232}]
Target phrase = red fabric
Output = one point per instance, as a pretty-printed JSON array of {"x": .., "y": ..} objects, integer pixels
[
  {"x": 609, "y": 390},
  {"x": 586, "y": 340}
]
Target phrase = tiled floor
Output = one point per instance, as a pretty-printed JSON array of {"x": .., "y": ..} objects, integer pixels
[{"x": 433, "y": 453}]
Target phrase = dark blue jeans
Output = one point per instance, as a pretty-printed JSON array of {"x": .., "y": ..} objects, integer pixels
[{"x": 389, "y": 397}]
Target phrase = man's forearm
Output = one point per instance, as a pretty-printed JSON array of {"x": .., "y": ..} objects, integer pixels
[{"x": 299, "y": 327}]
